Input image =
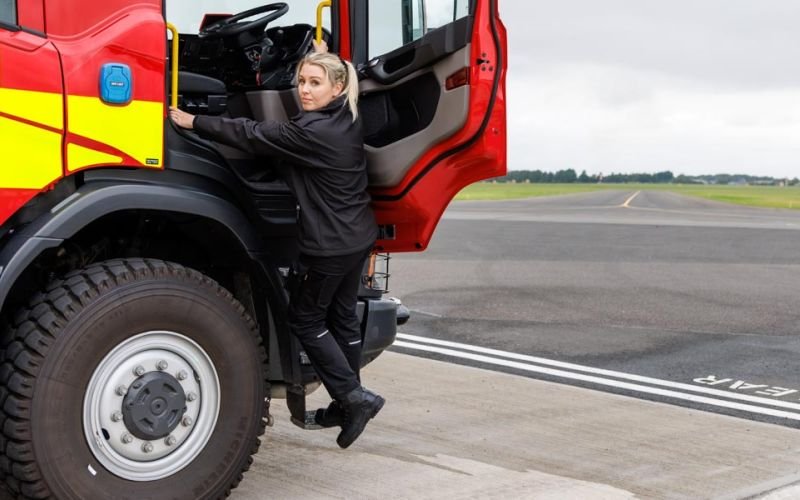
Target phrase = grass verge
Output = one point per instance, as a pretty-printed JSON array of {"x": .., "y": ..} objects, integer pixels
[{"x": 757, "y": 196}]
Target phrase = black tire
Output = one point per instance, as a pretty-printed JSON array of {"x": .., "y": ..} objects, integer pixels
[{"x": 56, "y": 344}]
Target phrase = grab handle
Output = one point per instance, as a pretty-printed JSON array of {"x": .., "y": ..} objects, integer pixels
[
  {"x": 322, "y": 5},
  {"x": 173, "y": 101}
]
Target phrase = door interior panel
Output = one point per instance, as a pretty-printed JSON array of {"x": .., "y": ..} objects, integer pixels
[
  {"x": 400, "y": 111},
  {"x": 405, "y": 119}
]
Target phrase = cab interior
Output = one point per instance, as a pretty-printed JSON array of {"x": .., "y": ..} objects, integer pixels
[{"x": 243, "y": 65}]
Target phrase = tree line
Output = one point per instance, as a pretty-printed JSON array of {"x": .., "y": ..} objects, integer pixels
[{"x": 666, "y": 177}]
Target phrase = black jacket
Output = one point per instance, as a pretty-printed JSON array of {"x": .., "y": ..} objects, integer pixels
[{"x": 324, "y": 166}]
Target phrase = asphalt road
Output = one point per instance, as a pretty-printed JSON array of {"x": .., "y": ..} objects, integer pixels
[{"x": 648, "y": 294}]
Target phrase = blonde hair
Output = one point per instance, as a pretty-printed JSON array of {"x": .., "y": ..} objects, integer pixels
[{"x": 338, "y": 71}]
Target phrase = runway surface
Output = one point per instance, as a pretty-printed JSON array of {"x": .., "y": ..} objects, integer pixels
[
  {"x": 456, "y": 432},
  {"x": 648, "y": 294}
]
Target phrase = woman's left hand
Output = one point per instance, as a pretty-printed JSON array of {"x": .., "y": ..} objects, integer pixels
[{"x": 181, "y": 118}]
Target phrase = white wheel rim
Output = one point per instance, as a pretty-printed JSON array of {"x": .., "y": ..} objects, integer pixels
[{"x": 117, "y": 449}]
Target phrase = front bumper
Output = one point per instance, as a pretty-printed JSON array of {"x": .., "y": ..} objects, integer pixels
[{"x": 379, "y": 319}]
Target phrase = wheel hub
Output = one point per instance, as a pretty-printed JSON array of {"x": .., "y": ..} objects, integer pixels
[
  {"x": 151, "y": 405},
  {"x": 154, "y": 405}
]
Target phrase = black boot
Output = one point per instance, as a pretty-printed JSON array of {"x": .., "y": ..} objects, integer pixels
[
  {"x": 330, "y": 416},
  {"x": 358, "y": 406}
]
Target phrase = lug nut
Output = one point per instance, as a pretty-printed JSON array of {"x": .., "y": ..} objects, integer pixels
[
  {"x": 191, "y": 396},
  {"x": 127, "y": 438},
  {"x": 121, "y": 390},
  {"x": 147, "y": 447},
  {"x": 187, "y": 421},
  {"x": 138, "y": 371},
  {"x": 162, "y": 365},
  {"x": 182, "y": 375},
  {"x": 170, "y": 441},
  {"x": 116, "y": 416}
]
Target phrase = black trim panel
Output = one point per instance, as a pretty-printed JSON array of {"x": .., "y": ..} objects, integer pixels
[
  {"x": 400, "y": 111},
  {"x": 9, "y": 27},
  {"x": 94, "y": 200},
  {"x": 17, "y": 255},
  {"x": 359, "y": 10},
  {"x": 98, "y": 199},
  {"x": 38, "y": 33}
]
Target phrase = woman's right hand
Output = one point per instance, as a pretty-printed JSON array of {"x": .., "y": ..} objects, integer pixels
[
  {"x": 181, "y": 118},
  {"x": 320, "y": 47}
]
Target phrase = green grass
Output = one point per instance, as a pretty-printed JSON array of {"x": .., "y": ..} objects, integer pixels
[{"x": 757, "y": 196}]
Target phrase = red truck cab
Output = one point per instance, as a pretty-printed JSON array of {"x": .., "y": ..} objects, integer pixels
[{"x": 142, "y": 268}]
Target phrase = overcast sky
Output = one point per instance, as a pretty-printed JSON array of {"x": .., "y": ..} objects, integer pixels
[{"x": 691, "y": 86}]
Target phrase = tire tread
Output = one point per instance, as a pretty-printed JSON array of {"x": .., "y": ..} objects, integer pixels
[{"x": 28, "y": 340}]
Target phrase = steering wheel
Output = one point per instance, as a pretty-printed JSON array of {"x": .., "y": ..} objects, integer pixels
[{"x": 230, "y": 26}]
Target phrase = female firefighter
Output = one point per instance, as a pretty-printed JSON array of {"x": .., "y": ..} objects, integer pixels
[{"x": 325, "y": 167}]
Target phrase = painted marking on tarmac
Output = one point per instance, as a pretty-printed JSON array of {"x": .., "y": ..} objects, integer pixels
[
  {"x": 599, "y": 376},
  {"x": 627, "y": 202},
  {"x": 426, "y": 313},
  {"x": 741, "y": 385}
]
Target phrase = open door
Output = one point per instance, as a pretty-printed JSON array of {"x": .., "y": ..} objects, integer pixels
[{"x": 433, "y": 106}]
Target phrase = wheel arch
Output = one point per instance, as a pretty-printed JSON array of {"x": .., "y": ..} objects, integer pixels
[{"x": 103, "y": 202}]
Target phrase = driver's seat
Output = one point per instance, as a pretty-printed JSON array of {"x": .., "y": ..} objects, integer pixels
[{"x": 200, "y": 94}]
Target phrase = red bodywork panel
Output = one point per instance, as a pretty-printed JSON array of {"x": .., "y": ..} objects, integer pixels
[
  {"x": 28, "y": 63},
  {"x": 12, "y": 199},
  {"x": 133, "y": 33},
  {"x": 35, "y": 64},
  {"x": 61, "y": 68},
  {"x": 134, "y": 36},
  {"x": 31, "y": 14},
  {"x": 137, "y": 41},
  {"x": 65, "y": 20},
  {"x": 345, "y": 50}
]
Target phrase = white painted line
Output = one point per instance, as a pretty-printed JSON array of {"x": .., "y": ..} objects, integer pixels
[
  {"x": 634, "y": 195},
  {"x": 600, "y": 371},
  {"x": 601, "y": 381},
  {"x": 426, "y": 313}
]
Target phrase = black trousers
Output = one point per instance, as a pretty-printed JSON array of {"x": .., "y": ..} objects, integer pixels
[{"x": 322, "y": 315}]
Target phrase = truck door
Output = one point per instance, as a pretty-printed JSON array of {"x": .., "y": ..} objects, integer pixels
[
  {"x": 433, "y": 106},
  {"x": 31, "y": 106}
]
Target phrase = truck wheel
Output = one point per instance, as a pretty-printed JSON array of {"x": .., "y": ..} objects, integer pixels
[{"x": 131, "y": 378}]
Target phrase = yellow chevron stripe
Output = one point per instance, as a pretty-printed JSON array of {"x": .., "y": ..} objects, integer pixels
[
  {"x": 136, "y": 129},
  {"x": 79, "y": 157},
  {"x": 31, "y": 155},
  {"x": 40, "y": 107}
]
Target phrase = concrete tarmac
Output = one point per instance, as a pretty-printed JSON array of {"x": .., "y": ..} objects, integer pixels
[
  {"x": 649, "y": 284},
  {"x": 450, "y": 431}
]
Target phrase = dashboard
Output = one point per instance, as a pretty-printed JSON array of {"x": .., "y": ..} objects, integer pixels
[{"x": 267, "y": 64}]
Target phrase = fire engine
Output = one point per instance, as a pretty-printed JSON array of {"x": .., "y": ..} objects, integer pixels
[{"x": 142, "y": 268}]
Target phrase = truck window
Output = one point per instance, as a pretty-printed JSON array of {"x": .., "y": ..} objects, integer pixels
[
  {"x": 8, "y": 11},
  {"x": 187, "y": 16},
  {"x": 394, "y": 23}
]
